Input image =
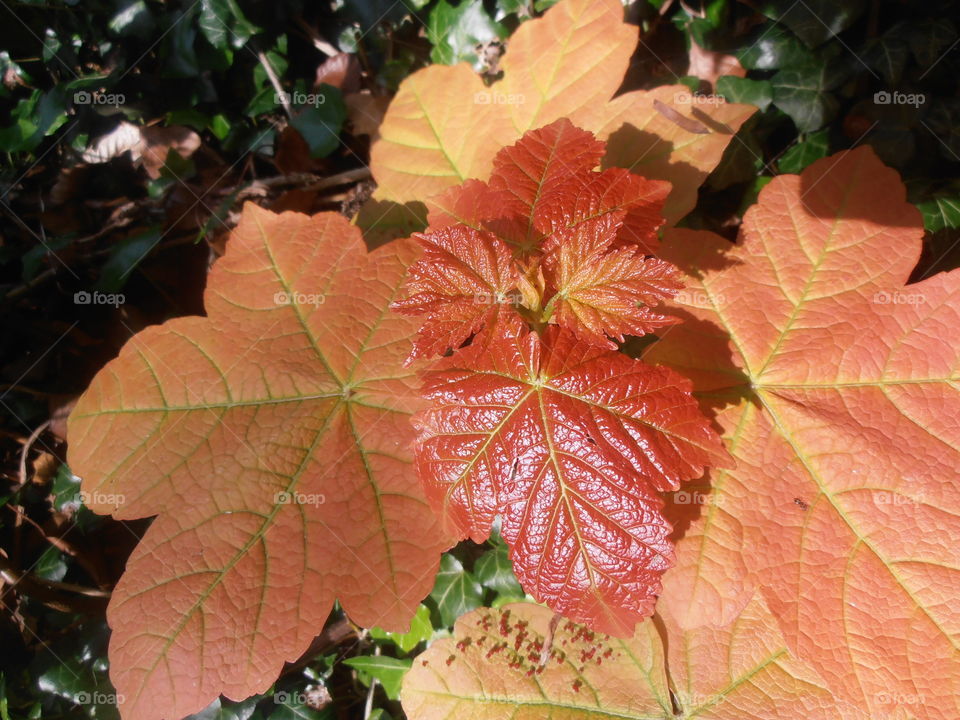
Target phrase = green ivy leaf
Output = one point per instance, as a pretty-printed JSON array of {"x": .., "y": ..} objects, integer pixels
[
  {"x": 943, "y": 120},
  {"x": 455, "y": 31},
  {"x": 420, "y": 631},
  {"x": 803, "y": 93},
  {"x": 741, "y": 161},
  {"x": 222, "y": 709},
  {"x": 456, "y": 591},
  {"x": 773, "y": 47},
  {"x": 495, "y": 571},
  {"x": 813, "y": 21},
  {"x": 941, "y": 211},
  {"x": 929, "y": 39},
  {"x": 319, "y": 122},
  {"x": 513, "y": 7},
  {"x": 125, "y": 256},
  {"x": 10, "y": 70},
  {"x": 180, "y": 57},
  {"x": 51, "y": 565},
  {"x": 813, "y": 147},
  {"x": 132, "y": 19},
  {"x": 64, "y": 490},
  {"x": 4, "y": 710},
  {"x": 33, "y": 259},
  {"x": 389, "y": 671},
  {"x": 75, "y": 670},
  {"x": 224, "y": 25},
  {"x": 292, "y": 706},
  {"x": 887, "y": 55},
  {"x": 744, "y": 90}
]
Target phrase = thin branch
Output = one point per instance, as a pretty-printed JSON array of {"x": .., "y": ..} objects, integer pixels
[{"x": 275, "y": 81}]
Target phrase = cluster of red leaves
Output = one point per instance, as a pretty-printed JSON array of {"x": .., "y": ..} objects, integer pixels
[
  {"x": 546, "y": 238},
  {"x": 535, "y": 416}
]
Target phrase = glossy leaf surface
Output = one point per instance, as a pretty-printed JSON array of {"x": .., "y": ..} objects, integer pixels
[{"x": 570, "y": 445}]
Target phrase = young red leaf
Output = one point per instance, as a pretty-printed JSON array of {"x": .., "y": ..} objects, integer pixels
[
  {"x": 640, "y": 201},
  {"x": 462, "y": 284},
  {"x": 541, "y": 161},
  {"x": 561, "y": 219},
  {"x": 470, "y": 204},
  {"x": 570, "y": 444},
  {"x": 596, "y": 294},
  {"x": 545, "y": 183},
  {"x": 271, "y": 438}
]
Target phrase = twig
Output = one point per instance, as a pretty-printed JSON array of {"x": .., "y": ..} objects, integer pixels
[
  {"x": 368, "y": 706},
  {"x": 275, "y": 81},
  {"x": 317, "y": 39},
  {"x": 27, "y": 287},
  {"x": 18, "y": 508},
  {"x": 62, "y": 596},
  {"x": 26, "y": 451},
  {"x": 310, "y": 181},
  {"x": 333, "y": 635},
  {"x": 65, "y": 547},
  {"x": 29, "y": 391}
]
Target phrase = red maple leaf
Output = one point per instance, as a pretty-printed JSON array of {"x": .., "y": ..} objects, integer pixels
[
  {"x": 569, "y": 444},
  {"x": 535, "y": 417},
  {"x": 462, "y": 284},
  {"x": 598, "y": 293},
  {"x": 579, "y": 240}
]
